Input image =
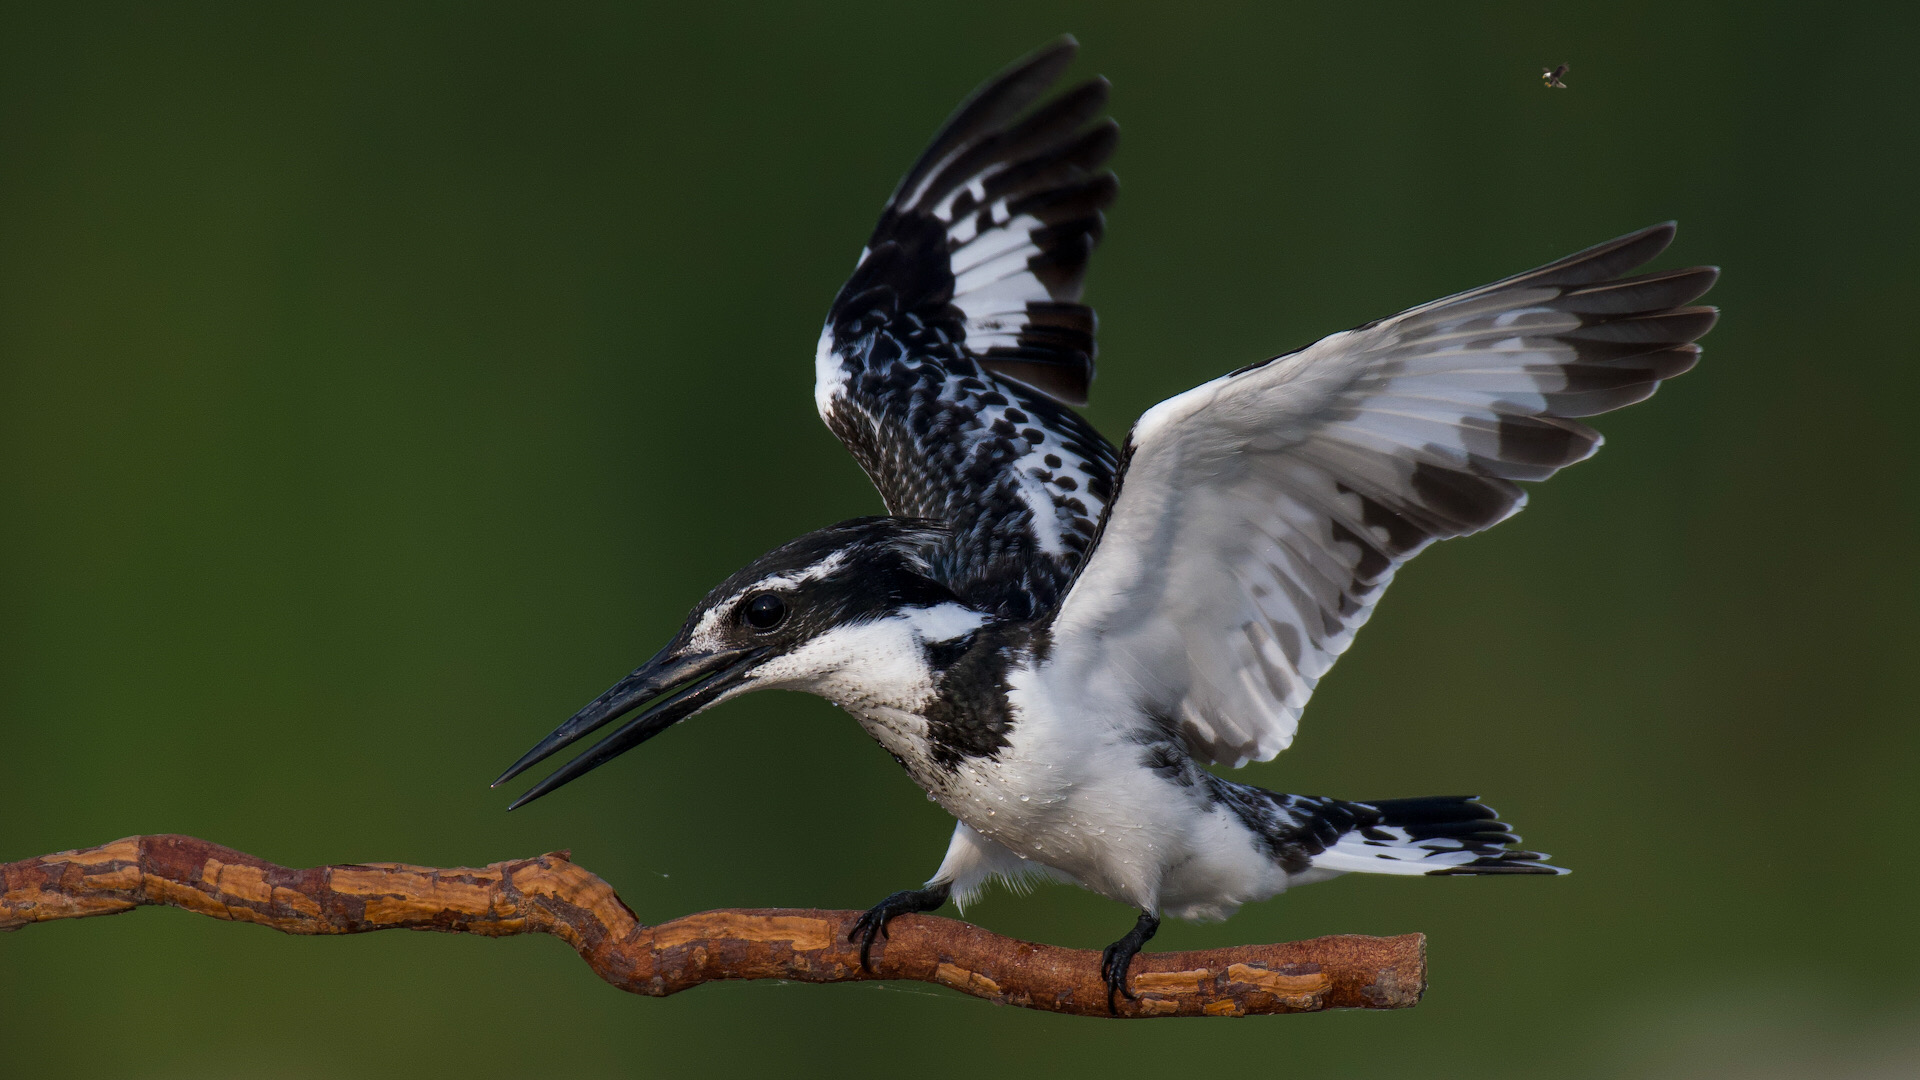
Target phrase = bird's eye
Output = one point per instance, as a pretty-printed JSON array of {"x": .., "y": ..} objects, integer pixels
[{"x": 765, "y": 611}]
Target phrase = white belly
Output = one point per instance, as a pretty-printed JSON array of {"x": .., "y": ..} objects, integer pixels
[{"x": 1071, "y": 790}]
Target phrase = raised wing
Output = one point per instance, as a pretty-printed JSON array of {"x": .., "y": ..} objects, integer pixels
[
  {"x": 1261, "y": 515},
  {"x": 950, "y": 354}
]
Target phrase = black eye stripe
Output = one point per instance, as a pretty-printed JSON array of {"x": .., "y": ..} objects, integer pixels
[{"x": 764, "y": 612}]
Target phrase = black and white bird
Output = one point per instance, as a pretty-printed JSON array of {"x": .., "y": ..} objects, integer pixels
[{"x": 1054, "y": 637}]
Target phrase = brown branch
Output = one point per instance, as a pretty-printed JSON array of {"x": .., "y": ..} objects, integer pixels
[{"x": 550, "y": 895}]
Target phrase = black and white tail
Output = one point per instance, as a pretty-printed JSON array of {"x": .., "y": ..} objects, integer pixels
[{"x": 1438, "y": 834}]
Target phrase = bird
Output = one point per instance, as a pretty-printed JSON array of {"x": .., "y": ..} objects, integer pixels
[
  {"x": 1056, "y": 637},
  {"x": 1552, "y": 76}
]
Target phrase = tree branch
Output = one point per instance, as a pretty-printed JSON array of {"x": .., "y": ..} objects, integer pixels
[{"x": 550, "y": 895}]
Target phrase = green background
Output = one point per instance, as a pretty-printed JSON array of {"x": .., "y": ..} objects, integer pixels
[{"x": 377, "y": 385}]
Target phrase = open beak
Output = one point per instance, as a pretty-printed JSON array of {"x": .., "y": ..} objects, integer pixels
[{"x": 701, "y": 678}]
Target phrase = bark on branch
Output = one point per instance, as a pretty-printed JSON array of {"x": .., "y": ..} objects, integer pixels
[{"x": 550, "y": 895}]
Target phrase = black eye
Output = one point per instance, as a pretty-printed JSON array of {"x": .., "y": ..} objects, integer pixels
[{"x": 765, "y": 611}]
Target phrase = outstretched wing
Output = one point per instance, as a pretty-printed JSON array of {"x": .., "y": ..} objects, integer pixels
[
  {"x": 1261, "y": 515},
  {"x": 950, "y": 355}
]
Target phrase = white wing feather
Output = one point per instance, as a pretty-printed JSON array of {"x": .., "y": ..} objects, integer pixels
[{"x": 1260, "y": 516}]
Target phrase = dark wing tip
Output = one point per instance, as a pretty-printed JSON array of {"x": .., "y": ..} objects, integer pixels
[
  {"x": 1043, "y": 65},
  {"x": 1065, "y": 45},
  {"x": 1608, "y": 260},
  {"x": 1009, "y": 158},
  {"x": 996, "y": 102},
  {"x": 1662, "y": 290}
]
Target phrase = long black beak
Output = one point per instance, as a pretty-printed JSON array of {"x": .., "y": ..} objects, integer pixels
[{"x": 702, "y": 679}]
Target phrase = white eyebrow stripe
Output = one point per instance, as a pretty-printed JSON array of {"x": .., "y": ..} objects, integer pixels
[
  {"x": 944, "y": 622},
  {"x": 797, "y": 578}
]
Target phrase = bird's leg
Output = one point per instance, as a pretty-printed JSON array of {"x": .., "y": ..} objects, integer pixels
[
  {"x": 1115, "y": 958},
  {"x": 873, "y": 923}
]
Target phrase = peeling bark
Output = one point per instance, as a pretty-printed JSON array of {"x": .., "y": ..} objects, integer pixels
[{"x": 550, "y": 895}]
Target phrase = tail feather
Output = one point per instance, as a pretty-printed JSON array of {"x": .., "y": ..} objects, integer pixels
[{"x": 1436, "y": 835}]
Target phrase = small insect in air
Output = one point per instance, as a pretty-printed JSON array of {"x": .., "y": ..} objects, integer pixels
[{"x": 1552, "y": 76}]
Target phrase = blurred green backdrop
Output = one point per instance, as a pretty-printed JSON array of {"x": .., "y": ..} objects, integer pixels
[{"x": 377, "y": 384}]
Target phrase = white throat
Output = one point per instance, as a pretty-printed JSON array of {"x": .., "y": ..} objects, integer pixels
[{"x": 876, "y": 670}]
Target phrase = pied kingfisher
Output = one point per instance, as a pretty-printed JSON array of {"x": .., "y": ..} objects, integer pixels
[{"x": 1054, "y": 637}]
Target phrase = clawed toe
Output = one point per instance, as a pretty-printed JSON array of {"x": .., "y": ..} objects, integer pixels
[
  {"x": 872, "y": 924},
  {"x": 870, "y": 927},
  {"x": 1116, "y": 958},
  {"x": 1113, "y": 972}
]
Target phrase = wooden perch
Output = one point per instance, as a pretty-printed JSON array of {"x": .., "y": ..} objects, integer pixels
[{"x": 550, "y": 895}]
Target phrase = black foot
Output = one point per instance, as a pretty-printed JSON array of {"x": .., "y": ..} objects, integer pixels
[
  {"x": 873, "y": 924},
  {"x": 1115, "y": 958}
]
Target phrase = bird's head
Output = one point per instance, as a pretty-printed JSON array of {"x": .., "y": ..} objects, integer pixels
[{"x": 843, "y": 603}]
